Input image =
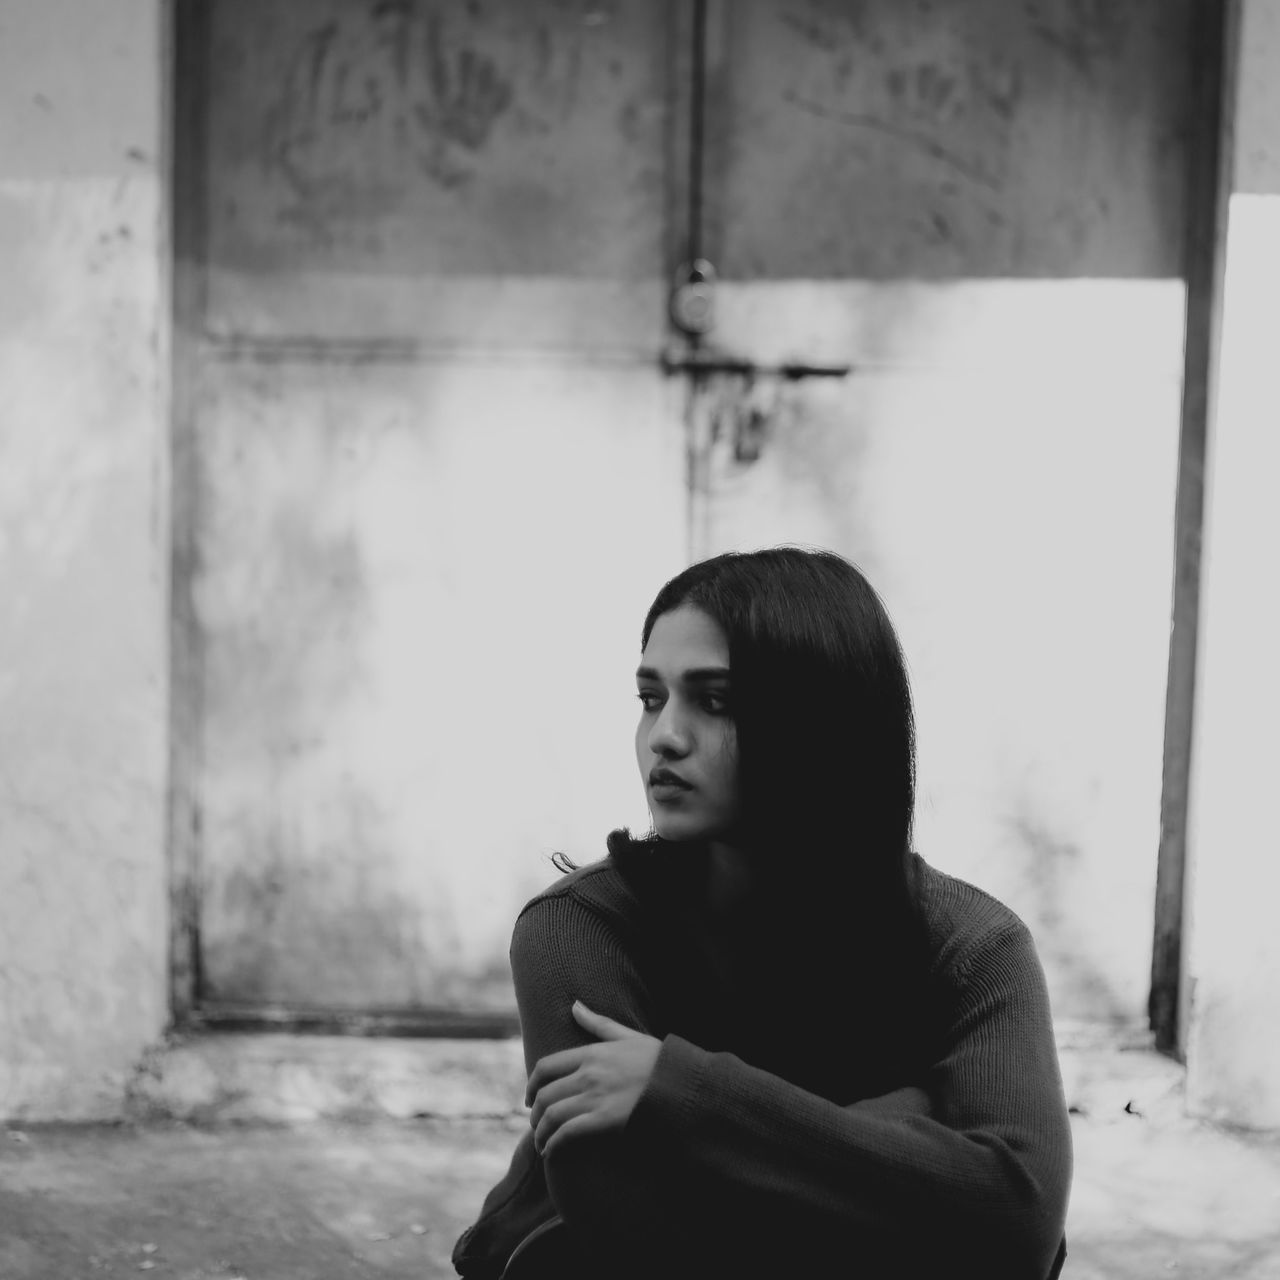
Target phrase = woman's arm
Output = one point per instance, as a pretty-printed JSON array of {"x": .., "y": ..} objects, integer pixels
[
  {"x": 736, "y": 1157},
  {"x": 562, "y": 951},
  {"x": 623, "y": 1216},
  {"x": 621, "y": 1198},
  {"x": 984, "y": 1178}
]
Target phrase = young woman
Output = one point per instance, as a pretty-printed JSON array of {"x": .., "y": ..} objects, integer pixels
[{"x": 767, "y": 1039}]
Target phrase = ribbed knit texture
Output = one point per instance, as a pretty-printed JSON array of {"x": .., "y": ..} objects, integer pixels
[{"x": 726, "y": 1168}]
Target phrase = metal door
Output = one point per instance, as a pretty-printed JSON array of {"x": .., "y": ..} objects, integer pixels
[
  {"x": 438, "y": 444},
  {"x": 433, "y": 471},
  {"x": 979, "y": 209}
]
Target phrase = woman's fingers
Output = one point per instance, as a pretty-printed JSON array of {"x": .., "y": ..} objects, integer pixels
[
  {"x": 569, "y": 1129},
  {"x": 567, "y": 1061},
  {"x": 600, "y": 1091},
  {"x": 552, "y": 1067},
  {"x": 556, "y": 1116},
  {"x": 599, "y": 1025},
  {"x": 553, "y": 1091}
]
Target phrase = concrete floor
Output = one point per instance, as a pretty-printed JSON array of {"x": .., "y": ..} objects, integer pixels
[{"x": 1154, "y": 1196}]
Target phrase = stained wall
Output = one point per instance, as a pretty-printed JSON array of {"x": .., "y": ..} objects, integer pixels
[{"x": 83, "y": 553}]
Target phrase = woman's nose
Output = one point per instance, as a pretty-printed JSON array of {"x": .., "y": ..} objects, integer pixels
[{"x": 669, "y": 735}]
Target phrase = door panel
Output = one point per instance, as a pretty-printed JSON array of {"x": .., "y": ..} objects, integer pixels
[
  {"x": 903, "y": 139},
  {"x": 440, "y": 475},
  {"x": 1001, "y": 458},
  {"x": 415, "y": 614},
  {"x": 442, "y": 172}
]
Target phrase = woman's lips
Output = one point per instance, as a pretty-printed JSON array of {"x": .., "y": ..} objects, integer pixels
[
  {"x": 666, "y": 786},
  {"x": 657, "y": 776},
  {"x": 667, "y": 792}
]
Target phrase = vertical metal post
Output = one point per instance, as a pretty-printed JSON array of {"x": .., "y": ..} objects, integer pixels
[
  {"x": 189, "y": 44},
  {"x": 696, "y": 403},
  {"x": 697, "y": 129},
  {"x": 1209, "y": 112}
]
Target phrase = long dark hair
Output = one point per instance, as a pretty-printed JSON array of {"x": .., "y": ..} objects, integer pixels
[
  {"x": 826, "y": 757},
  {"x": 822, "y": 705}
]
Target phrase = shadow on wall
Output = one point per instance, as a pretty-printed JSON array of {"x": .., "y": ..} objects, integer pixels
[{"x": 1052, "y": 868}]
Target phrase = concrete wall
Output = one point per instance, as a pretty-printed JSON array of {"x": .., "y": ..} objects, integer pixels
[
  {"x": 83, "y": 552},
  {"x": 1233, "y": 1044}
]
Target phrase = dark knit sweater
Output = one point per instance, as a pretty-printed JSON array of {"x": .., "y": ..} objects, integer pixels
[{"x": 959, "y": 1164}]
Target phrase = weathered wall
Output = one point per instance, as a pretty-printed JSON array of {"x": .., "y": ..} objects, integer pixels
[
  {"x": 980, "y": 208},
  {"x": 1233, "y": 1045},
  {"x": 83, "y": 561}
]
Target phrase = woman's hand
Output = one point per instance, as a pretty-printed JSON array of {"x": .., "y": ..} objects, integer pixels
[{"x": 592, "y": 1088}]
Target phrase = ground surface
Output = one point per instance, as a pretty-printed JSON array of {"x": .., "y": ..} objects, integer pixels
[{"x": 325, "y": 1200}]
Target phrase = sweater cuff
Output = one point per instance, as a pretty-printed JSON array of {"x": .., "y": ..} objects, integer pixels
[{"x": 662, "y": 1110}]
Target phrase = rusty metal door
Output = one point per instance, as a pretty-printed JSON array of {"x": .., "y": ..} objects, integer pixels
[{"x": 979, "y": 209}]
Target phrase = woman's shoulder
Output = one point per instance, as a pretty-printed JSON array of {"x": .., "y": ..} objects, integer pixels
[
  {"x": 962, "y": 920},
  {"x": 632, "y": 891},
  {"x": 573, "y": 876},
  {"x": 596, "y": 886},
  {"x": 607, "y": 886}
]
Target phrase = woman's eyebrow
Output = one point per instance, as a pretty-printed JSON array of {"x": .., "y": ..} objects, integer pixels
[
  {"x": 695, "y": 675},
  {"x": 705, "y": 674}
]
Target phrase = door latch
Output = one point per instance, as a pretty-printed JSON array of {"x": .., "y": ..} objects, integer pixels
[
  {"x": 715, "y": 362},
  {"x": 693, "y": 298}
]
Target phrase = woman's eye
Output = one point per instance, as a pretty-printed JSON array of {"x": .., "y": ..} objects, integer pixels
[
  {"x": 649, "y": 701},
  {"x": 716, "y": 704}
]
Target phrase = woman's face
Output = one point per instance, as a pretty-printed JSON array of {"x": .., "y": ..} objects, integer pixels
[{"x": 686, "y": 742}]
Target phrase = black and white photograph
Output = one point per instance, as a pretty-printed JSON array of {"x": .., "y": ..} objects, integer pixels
[{"x": 639, "y": 639}]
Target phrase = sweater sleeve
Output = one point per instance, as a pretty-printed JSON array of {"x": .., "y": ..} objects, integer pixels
[
  {"x": 626, "y": 1220},
  {"x": 984, "y": 1176},
  {"x": 562, "y": 951},
  {"x": 624, "y": 1194}
]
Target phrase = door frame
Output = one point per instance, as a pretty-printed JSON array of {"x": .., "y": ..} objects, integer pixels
[
  {"x": 691, "y": 22},
  {"x": 1213, "y": 43},
  {"x": 188, "y": 32}
]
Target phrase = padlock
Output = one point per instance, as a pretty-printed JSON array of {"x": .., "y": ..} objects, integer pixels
[
  {"x": 693, "y": 297},
  {"x": 751, "y": 429}
]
